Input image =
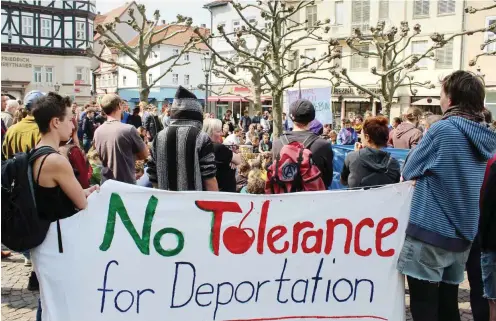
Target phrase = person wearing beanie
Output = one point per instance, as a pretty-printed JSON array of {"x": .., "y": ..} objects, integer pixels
[
  {"x": 23, "y": 136},
  {"x": 302, "y": 113},
  {"x": 182, "y": 154}
]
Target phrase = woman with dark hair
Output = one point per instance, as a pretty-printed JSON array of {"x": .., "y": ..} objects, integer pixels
[
  {"x": 368, "y": 165},
  {"x": 57, "y": 192}
]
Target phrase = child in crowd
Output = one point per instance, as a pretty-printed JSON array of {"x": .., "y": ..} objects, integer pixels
[
  {"x": 140, "y": 169},
  {"x": 242, "y": 175},
  {"x": 255, "y": 142},
  {"x": 96, "y": 166},
  {"x": 333, "y": 137},
  {"x": 256, "y": 183},
  {"x": 266, "y": 144}
]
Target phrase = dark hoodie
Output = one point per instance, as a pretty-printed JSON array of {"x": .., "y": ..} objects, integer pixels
[
  {"x": 370, "y": 167},
  {"x": 405, "y": 136}
]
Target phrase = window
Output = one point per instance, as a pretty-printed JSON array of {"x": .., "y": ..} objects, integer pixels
[
  {"x": 294, "y": 60},
  {"x": 252, "y": 21},
  {"x": 444, "y": 56},
  {"x": 80, "y": 30},
  {"x": 268, "y": 25},
  {"x": 419, "y": 48},
  {"x": 186, "y": 80},
  {"x": 490, "y": 35},
  {"x": 27, "y": 26},
  {"x": 150, "y": 79},
  {"x": 150, "y": 55},
  {"x": 236, "y": 25},
  {"x": 79, "y": 73},
  {"x": 46, "y": 28},
  {"x": 358, "y": 62},
  {"x": 175, "y": 52},
  {"x": 37, "y": 75},
  {"x": 360, "y": 16},
  {"x": 123, "y": 80},
  {"x": 445, "y": 7},
  {"x": 309, "y": 55},
  {"x": 383, "y": 9},
  {"x": 186, "y": 56},
  {"x": 339, "y": 13},
  {"x": 49, "y": 75},
  {"x": 311, "y": 14},
  {"x": 175, "y": 79},
  {"x": 420, "y": 8}
]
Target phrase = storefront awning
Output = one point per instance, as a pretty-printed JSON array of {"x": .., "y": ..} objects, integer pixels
[{"x": 233, "y": 98}]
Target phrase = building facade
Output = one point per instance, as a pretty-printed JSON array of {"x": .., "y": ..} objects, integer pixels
[
  {"x": 44, "y": 47},
  {"x": 485, "y": 64},
  {"x": 443, "y": 16}
]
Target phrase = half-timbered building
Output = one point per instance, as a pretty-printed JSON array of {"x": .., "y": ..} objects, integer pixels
[{"x": 44, "y": 47}]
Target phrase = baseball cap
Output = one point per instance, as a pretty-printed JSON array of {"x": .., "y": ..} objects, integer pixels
[
  {"x": 302, "y": 111},
  {"x": 31, "y": 97}
]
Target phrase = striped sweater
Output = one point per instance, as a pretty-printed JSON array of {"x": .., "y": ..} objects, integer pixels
[
  {"x": 448, "y": 165},
  {"x": 182, "y": 157}
]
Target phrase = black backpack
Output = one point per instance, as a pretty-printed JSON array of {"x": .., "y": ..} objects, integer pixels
[{"x": 22, "y": 228}]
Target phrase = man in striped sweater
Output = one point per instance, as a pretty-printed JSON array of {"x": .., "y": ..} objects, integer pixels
[
  {"x": 182, "y": 154},
  {"x": 448, "y": 166}
]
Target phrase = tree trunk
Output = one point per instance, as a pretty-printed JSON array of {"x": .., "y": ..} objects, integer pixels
[
  {"x": 257, "y": 105},
  {"x": 277, "y": 112},
  {"x": 144, "y": 90}
]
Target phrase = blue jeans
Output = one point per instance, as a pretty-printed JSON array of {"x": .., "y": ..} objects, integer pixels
[
  {"x": 38, "y": 312},
  {"x": 87, "y": 145},
  {"x": 426, "y": 262},
  {"x": 488, "y": 266}
]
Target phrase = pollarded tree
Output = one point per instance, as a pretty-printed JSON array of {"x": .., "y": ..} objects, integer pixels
[
  {"x": 397, "y": 64},
  {"x": 149, "y": 37},
  {"x": 279, "y": 35},
  {"x": 489, "y": 40}
]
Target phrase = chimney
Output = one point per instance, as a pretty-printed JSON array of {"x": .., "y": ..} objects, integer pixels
[
  {"x": 98, "y": 13},
  {"x": 163, "y": 22},
  {"x": 203, "y": 25}
]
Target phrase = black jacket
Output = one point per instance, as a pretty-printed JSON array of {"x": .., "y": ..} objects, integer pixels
[
  {"x": 88, "y": 128},
  {"x": 153, "y": 125},
  {"x": 370, "y": 167},
  {"x": 487, "y": 226}
]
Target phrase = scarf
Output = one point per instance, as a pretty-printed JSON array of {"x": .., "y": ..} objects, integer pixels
[{"x": 470, "y": 115}]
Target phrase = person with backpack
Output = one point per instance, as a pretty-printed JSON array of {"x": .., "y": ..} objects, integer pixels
[
  {"x": 369, "y": 165},
  {"x": 39, "y": 187},
  {"x": 302, "y": 141}
]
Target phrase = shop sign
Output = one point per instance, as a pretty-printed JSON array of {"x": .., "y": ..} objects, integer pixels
[
  {"x": 343, "y": 91},
  {"x": 16, "y": 62}
]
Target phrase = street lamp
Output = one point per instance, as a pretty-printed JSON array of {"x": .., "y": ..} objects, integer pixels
[
  {"x": 57, "y": 87},
  {"x": 207, "y": 66}
]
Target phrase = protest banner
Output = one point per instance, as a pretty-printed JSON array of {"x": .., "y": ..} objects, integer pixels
[
  {"x": 143, "y": 254},
  {"x": 320, "y": 98}
]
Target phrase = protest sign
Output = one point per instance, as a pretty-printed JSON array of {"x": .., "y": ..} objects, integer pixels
[
  {"x": 143, "y": 254},
  {"x": 320, "y": 98}
]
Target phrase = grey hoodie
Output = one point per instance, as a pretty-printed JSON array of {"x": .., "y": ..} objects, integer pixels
[{"x": 370, "y": 167}]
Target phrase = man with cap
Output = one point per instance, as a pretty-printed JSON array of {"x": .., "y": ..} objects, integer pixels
[
  {"x": 182, "y": 154},
  {"x": 23, "y": 136},
  {"x": 302, "y": 113}
]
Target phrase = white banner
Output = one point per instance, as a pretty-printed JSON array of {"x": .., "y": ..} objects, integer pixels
[
  {"x": 320, "y": 98},
  {"x": 144, "y": 254}
]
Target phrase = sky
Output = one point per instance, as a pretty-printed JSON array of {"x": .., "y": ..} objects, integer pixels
[{"x": 169, "y": 9}]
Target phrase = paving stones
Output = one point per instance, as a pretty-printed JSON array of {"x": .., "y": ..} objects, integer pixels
[{"x": 19, "y": 304}]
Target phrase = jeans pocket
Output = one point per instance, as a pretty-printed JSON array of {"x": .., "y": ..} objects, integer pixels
[
  {"x": 406, "y": 253},
  {"x": 433, "y": 257}
]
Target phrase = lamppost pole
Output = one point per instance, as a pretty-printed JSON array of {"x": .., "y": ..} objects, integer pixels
[
  {"x": 206, "y": 92},
  {"x": 207, "y": 66}
]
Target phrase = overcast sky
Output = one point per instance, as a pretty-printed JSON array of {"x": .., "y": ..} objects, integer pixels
[{"x": 169, "y": 9}]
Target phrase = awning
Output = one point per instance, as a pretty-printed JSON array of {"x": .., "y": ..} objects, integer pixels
[
  {"x": 424, "y": 102},
  {"x": 137, "y": 100},
  {"x": 233, "y": 98}
]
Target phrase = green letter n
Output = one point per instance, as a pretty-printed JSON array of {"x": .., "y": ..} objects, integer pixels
[{"x": 116, "y": 206}]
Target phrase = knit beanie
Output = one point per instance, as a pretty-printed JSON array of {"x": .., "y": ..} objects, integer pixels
[{"x": 186, "y": 106}]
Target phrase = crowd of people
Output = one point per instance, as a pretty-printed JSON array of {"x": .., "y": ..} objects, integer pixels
[{"x": 181, "y": 148}]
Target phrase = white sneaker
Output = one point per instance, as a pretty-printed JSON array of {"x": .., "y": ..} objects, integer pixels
[{"x": 27, "y": 262}]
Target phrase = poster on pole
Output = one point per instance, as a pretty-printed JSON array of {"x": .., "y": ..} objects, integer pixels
[
  {"x": 320, "y": 97},
  {"x": 143, "y": 254}
]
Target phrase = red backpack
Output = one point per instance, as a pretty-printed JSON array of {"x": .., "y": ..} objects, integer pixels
[
  {"x": 79, "y": 163},
  {"x": 293, "y": 169}
]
